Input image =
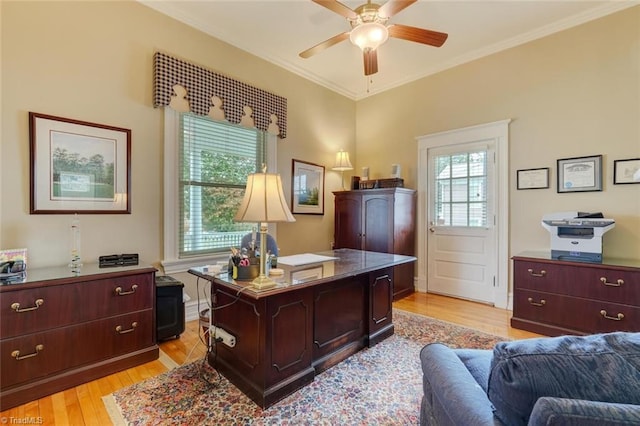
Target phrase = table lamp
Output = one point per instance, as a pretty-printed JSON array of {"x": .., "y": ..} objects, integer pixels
[
  {"x": 342, "y": 164},
  {"x": 264, "y": 203}
]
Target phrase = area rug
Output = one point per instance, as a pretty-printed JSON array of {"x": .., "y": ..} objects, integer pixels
[{"x": 377, "y": 386}]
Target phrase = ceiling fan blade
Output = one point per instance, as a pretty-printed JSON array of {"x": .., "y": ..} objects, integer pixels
[
  {"x": 392, "y": 7},
  {"x": 321, "y": 46},
  {"x": 337, "y": 7},
  {"x": 419, "y": 35},
  {"x": 370, "y": 62}
]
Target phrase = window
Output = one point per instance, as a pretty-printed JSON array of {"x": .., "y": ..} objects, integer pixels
[
  {"x": 215, "y": 160},
  {"x": 461, "y": 189}
]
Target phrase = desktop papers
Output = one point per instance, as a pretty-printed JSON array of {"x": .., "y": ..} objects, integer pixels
[{"x": 304, "y": 259}]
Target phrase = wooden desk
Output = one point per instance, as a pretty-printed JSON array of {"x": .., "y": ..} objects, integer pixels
[{"x": 318, "y": 315}]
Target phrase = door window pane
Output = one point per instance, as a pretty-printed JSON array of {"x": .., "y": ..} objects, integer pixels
[{"x": 461, "y": 189}]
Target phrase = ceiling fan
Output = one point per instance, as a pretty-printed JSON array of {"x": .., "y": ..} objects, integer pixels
[{"x": 369, "y": 29}]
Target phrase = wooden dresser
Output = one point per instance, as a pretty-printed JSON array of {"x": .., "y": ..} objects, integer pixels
[
  {"x": 58, "y": 329},
  {"x": 381, "y": 220},
  {"x": 555, "y": 297}
]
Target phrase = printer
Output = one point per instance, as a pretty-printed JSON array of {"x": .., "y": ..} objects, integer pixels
[{"x": 577, "y": 235}]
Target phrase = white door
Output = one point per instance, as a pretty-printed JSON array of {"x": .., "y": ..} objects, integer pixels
[
  {"x": 461, "y": 239},
  {"x": 463, "y": 213}
]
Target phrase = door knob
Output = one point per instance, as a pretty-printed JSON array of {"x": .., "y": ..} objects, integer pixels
[{"x": 432, "y": 229}]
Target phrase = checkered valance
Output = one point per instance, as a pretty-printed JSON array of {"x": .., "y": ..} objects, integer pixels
[{"x": 207, "y": 91}]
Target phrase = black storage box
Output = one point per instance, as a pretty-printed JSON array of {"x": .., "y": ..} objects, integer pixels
[{"x": 169, "y": 307}]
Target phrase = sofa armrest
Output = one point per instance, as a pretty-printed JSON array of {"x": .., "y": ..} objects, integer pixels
[
  {"x": 568, "y": 412},
  {"x": 451, "y": 393}
]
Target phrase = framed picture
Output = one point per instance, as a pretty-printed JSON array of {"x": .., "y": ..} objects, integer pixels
[
  {"x": 580, "y": 174},
  {"x": 626, "y": 171},
  {"x": 533, "y": 178},
  {"x": 78, "y": 167},
  {"x": 307, "y": 188}
]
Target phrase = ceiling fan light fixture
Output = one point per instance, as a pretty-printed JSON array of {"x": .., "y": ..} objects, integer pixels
[{"x": 369, "y": 35}]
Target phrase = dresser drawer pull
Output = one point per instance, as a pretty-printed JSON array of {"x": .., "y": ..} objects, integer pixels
[
  {"x": 535, "y": 274},
  {"x": 16, "y": 306},
  {"x": 121, "y": 331},
  {"x": 541, "y": 303},
  {"x": 16, "y": 354},
  {"x": 119, "y": 291},
  {"x": 616, "y": 284},
  {"x": 620, "y": 316}
]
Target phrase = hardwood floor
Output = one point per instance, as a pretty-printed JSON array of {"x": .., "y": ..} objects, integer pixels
[{"x": 83, "y": 404}]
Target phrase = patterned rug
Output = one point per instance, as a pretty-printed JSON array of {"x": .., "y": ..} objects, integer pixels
[{"x": 381, "y": 385}]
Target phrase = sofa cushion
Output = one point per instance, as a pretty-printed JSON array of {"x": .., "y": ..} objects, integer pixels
[
  {"x": 600, "y": 367},
  {"x": 478, "y": 362}
]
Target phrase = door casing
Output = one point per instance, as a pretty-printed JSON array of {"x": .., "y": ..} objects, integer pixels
[{"x": 497, "y": 131}]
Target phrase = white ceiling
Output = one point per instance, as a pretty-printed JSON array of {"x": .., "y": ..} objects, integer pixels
[{"x": 277, "y": 31}]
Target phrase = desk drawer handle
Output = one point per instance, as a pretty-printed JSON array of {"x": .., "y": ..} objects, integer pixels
[
  {"x": 616, "y": 284},
  {"x": 119, "y": 291},
  {"x": 620, "y": 316},
  {"x": 16, "y": 306},
  {"x": 541, "y": 303},
  {"x": 534, "y": 274},
  {"x": 121, "y": 331},
  {"x": 16, "y": 354}
]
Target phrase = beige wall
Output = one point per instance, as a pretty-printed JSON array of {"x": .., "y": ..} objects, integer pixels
[
  {"x": 92, "y": 61},
  {"x": 572, "y": 94}
]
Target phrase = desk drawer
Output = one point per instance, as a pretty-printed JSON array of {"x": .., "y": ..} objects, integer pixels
[
  {"x": 28, "y": 311},
  {"x": 585, "y": 281},
  {"x": 609, "y": 284},
  {"x": 584, "y": 315},
  {"x": 44, "y": 353},
  {"x": 38, "y": 309},
  {"x": 544, "y": 277}
]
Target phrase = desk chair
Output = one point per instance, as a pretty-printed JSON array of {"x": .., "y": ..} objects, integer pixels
[{"x": 271, "y": 243}]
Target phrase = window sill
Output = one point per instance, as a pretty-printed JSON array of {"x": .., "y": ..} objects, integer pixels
[{"x": 172, "y": 266}]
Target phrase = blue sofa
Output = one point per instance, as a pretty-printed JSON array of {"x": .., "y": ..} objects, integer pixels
[{"x": 566, "y": 380}]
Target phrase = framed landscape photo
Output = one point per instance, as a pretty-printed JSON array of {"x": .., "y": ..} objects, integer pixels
[
  {"x": 626, "y": 171},
  {"x": 533, "y": 178},
  {"x": 307, "y": 188},
  {"x": 580, "y": 174},
  {"x": 78, "y": 167}
]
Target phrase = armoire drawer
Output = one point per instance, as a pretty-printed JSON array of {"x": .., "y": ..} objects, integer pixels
[
  {"x": 582, "y": 315},
  {"x": 35, "y": 355}
]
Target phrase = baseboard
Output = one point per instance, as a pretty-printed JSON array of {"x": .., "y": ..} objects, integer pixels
[{"x": 192, "y": 310}]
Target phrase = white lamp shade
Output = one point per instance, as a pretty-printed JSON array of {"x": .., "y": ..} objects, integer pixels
[
  {"x": 342, "y": 161},
  {"x": 264, "y": 200},
  {"x": 369, "y": 35}
]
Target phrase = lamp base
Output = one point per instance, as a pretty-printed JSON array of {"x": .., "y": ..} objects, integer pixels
[{"x": 263, "y": 282}]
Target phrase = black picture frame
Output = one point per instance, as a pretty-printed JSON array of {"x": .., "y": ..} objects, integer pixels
[
  {"x": 307, "y": 188},
  {"x": 532, "y": 178},
  {"x": 626, "y": 171},
  {"x": 580, "y": 174}
]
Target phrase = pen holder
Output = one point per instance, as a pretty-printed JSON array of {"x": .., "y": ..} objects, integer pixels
[{"x": 245, "y": 273}]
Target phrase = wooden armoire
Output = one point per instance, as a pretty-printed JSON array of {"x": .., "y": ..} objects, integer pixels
[{"x": 381, "y": 220}]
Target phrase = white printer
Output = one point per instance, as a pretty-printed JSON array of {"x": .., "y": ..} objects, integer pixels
[{"x": 577, "y": 235}]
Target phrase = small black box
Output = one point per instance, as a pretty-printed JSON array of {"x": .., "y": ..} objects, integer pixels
[{"x": 169, "y": 307}]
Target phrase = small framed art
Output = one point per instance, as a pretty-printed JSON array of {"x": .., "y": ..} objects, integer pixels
[
  {"x": 78, "y": 167},
  {"x": 580, "y": 174},
  {"x": 307, "y": 188},
  {"x": 626, "y": 171},
  {"x": 533, "y": 178}
]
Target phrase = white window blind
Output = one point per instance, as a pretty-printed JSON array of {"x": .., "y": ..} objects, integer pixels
[{"x": 215, "y": 159}]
